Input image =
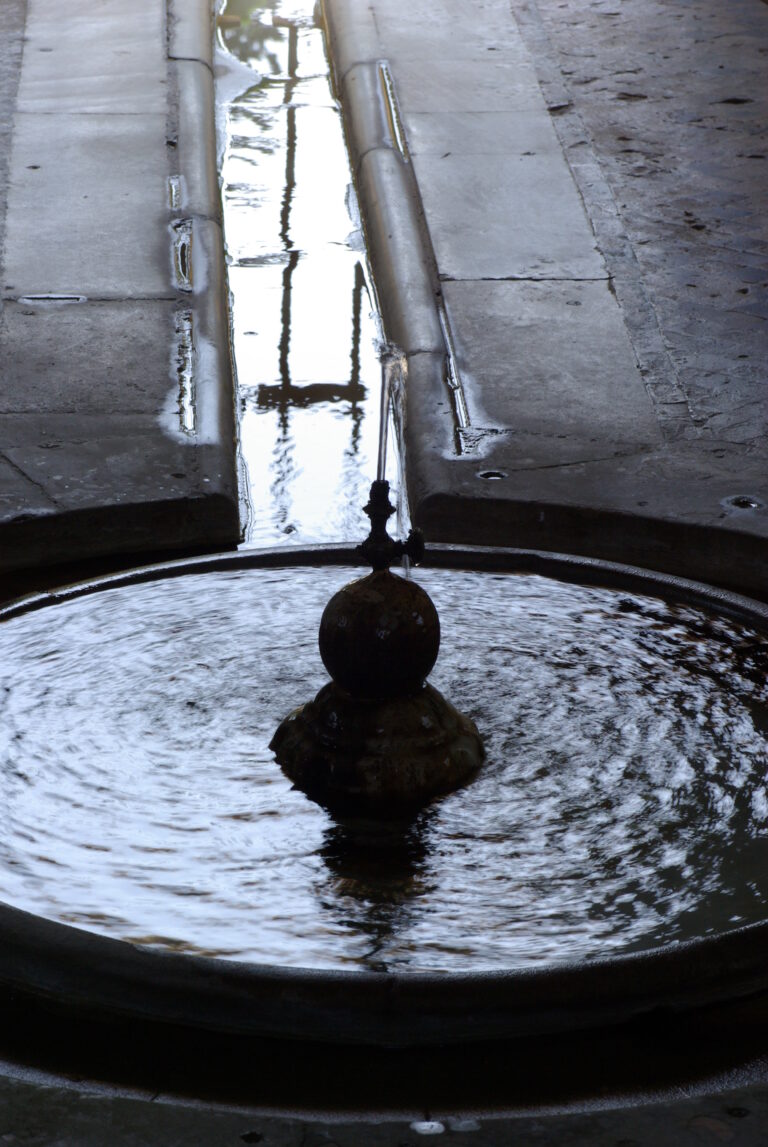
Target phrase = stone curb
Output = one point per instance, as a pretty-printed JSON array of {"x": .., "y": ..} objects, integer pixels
[
  {"x": 400, "y": 249},
  {"x": 190, "y": 46},
  {"x": 189, "y": 31},
  {"x": 350, "y": 34},
  {"x": 198, "y": 191}
]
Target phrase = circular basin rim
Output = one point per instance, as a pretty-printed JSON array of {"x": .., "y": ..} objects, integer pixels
[{"x": 43, "y": 959}]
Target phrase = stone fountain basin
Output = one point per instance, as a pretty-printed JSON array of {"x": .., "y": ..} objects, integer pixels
[{"x": 72, "y": 997}]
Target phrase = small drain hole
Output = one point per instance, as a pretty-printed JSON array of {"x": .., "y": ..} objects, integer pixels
[
  {"x": 744, "y": 502},
  {"x": 492, "y": 475}
]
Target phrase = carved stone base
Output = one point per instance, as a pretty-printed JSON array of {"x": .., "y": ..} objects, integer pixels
[{"x": 379, "y": 758}]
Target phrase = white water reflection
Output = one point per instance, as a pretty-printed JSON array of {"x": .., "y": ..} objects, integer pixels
[{"x": 305, "y": 328}]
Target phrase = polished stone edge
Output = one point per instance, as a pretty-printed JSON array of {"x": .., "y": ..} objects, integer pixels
[
  {"x": 198, "y": 193},
  {"x": 190, "y": 50},
  {"x": 190, "y": 30},
  {"x": 401, "y": 254},
  {"x": 351, "y": 35},
  {"x": 214, "y": 510}
]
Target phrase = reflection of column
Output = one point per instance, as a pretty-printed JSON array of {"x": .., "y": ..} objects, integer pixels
[
  {"x": 293, "y": 51},
  {"x": 376, "y": 876},
  {"x": 356, "y": 391},
  {"x": 285, "y": 211},
  {"x": 283, "y": 446},
  {"x": 285, "y": 331}
]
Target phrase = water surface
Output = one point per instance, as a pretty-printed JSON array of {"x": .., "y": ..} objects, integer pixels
[
  {"x": 305, "y": 330},
  {"x": 623, "y": 803}
]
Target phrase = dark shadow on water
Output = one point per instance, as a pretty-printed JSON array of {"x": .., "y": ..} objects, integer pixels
[{"x": 377, "y": 874}]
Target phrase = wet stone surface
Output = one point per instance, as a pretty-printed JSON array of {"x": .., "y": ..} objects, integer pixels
[
  {"x": 669, "y": 101},
  {"x": 93, "y": 461}
]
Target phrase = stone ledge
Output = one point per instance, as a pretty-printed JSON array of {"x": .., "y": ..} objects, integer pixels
[{"x": 118, "y": 431}]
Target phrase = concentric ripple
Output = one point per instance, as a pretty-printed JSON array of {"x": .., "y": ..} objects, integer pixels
[{"x": 623, "y": 803}]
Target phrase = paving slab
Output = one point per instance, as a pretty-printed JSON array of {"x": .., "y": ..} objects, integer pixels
[
  {"x": 582, "y": 185},
  {"x": 468, "y": 197},
  {"x": 73, "y": 182},
  {"x": 568, "y": 368},
  {"x": 83, "y": 357},
  {"x": 117, "y": 427},
  {"x": 100, "y": 59}
]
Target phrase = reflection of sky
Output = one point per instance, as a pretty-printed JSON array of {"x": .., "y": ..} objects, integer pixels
[{"x": 304, "y": 330}]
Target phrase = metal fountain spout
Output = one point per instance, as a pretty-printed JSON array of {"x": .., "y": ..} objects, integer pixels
[
  {"x": 379, "y": 549},
  {"x": 378, "y": 741}
]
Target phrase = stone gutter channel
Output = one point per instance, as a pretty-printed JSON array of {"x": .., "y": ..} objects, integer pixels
[{"x": 541, "y": 408}]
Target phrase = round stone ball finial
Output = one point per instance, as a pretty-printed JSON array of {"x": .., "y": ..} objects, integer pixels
[
  {"x": 378, "y": 741},
  {"x": 380, "y": 636}
]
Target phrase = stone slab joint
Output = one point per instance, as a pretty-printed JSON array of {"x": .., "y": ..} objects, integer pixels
[{"x": 190, "y": 30}]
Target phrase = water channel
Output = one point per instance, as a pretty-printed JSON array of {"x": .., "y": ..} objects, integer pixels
[{"x": 306, "y": 335}]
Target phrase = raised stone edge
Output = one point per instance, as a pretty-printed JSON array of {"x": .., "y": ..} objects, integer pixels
[
  {"x": 198, "y": 193},
  {"x": 190, "y": 30},
  {"x": 351, "y": 35},
  {"x": 400, "y": 250}
]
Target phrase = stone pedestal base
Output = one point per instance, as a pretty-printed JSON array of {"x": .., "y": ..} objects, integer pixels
[{"x": 380, "y": 758}]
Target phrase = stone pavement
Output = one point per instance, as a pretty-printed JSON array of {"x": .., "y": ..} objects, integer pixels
[
  {"x": 562, "y": 204},
  {"x": 116, "y": 409},
  {"x": 43, "y": 1111}
]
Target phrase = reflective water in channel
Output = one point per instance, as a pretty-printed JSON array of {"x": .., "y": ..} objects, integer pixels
[
  {"x": 623, "y": 803},
  {"x": 305, "y": 330}
]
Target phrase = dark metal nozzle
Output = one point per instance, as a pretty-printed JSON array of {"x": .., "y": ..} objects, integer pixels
[{"x": 379, "y": 549}]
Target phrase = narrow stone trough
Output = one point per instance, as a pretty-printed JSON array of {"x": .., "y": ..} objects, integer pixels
[{"x": 306, "y": 333}]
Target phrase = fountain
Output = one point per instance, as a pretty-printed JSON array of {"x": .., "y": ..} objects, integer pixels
[
  {"x": 581, "y": 916},
  {"x": 180, "y": 915},
  {"x": 378, "y": 740}
]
